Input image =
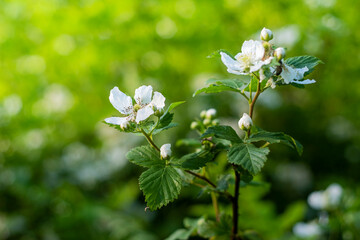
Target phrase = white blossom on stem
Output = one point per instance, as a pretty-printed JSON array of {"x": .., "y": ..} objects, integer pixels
[
  {"x": 165, "y": 151},
  {"x": 249, "y": 60},
  {"x": 145, "y": 105},
  {"x": 245, "y": 122}
]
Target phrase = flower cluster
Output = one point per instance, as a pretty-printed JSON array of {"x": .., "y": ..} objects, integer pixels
[
  {"x": 267, "y": 62},
  {"x": 207, "y": 120}
]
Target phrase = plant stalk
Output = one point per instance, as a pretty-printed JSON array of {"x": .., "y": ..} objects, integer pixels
[{"x": 235, "y": 206}]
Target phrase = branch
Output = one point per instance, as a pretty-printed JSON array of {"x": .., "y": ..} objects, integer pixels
[{"x": 150, "y": 140}]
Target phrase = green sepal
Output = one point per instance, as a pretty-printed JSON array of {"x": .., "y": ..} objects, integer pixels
[{"x": 130, "y": 129}]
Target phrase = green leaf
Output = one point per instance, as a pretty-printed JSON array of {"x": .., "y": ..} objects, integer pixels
[
  {"x": 145, "y": 156},
  {"x": 196, "y": 160},
  {"x": 245, "y": 175},
  {"x": 253, "y": 85},
  {"x": 223, "y": 132},
  {"x": 216, "y": 230},
  {"x": 130, "y": 129},
  {"x": 158, "y": 130},
  {"x": 183, "y": 234},
  {"x": 248, "y": 156},
  {"x": 167, "y": 117},
  {"x": 188, "y": 142},
  {"x": 276, "y": 137},
  {"x": 160, "y": 185},
  {"x": 304, "y": 61},
  {"x": 220, "y": 85},
  {"x": 224, "y": 182}
]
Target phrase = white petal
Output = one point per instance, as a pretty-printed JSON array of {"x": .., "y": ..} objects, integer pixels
[
  {"x": 307, "y": 81},
  {"x": 165, "y": 150},
  {"x": 257, "y": 66},
  {"x": 289, "y": 73},
  {"x": 116, "y": 120},
  {"x": 236, "y": 72},
  {"x": 254, "y": 49},
  {"x": 120, "y": 101},
  {"x": 158, "y": 100},
  {"x": 230, "y": 63},
  {"x": 144, "y": 113},
  {"x": 143, "y": 95}
]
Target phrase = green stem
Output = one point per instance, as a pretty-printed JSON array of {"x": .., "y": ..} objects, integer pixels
[
  {"x": 148, "y": 138},
  {"x": 216, "y": 206},
  {"x": 235, "y": 206}
]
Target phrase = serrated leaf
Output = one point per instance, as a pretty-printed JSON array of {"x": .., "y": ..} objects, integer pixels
[
  {"x": 248, "y": 156},
  {"x": 160, "y": 185},
  {"x": 220, "y": 85},
  {"x": 159, "y": 130},
  {"x": 276, "y": 137},
  {"x": 130, "y": 129},
  {"x": 167, "y": 117},
  {"x": 145, "y": 156},
  {"x": 245, "y": 175},
  {"x": 223, "y": 132},
  {"x": 304, "y": 61},
  {"x": 224, "y": 182},
  {"x": 253, "y": 85},
  {"x": 196, "y": 160}
]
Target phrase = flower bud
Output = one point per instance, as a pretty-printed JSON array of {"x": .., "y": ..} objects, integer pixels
[
  {"x": 203, "y": 114},
  {"x": 207, "y": 122},
  {"x": 194, "y": 125},
  {"x": 279, "y": 53},
  {"x": 124, "y": 125},
  {"x": 266, "y": 34},
  {"x": 245, "y": 122},
  {"x": 210, "y": 113},
  {"x": 215, "y": 122},
  {"x": 262, "y": 74},
  {"x": 165, "y": 151}
]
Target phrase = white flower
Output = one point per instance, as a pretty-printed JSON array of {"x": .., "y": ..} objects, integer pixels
[
  {"x": 145, "y": 105},
  {"x": 210, "y": 113},
  {"x": 334, "y": 193},
  {"x": 248, "y": 61},
  {"x": 307, "y": 230},
  {"x": 245, "y": 122},
  {"x": 165, "y": 151},
  {"x": 292, "y": 75},
  {"x": 266, "y": 34},
  {"x": 329, "y": 198},
  {"x": 317, "y": 200}
]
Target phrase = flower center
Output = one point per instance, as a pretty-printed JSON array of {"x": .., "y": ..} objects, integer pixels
[
  {"x": 137, "y": 107},
  {"x": 245, "y": 60}
]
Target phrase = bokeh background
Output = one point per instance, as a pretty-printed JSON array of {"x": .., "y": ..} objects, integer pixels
[{"x": 63, "y": 173}]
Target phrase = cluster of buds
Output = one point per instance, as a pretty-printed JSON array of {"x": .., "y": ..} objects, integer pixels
[{"x": 207, "y": 120}]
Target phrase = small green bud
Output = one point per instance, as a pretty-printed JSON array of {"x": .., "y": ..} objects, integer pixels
[
  {"x": 266, "y": 34},
  {"x": 207, "y": 122},
  {"x": 203, "y": 114},
  {"x": 279, "y": 53},
  {"x": 159, "y": 112},
  {"x": 267, "y": 46},
  {"x": 211, "y": 113},
  {"x": 194, "y": 125},
  {"x": 215, "y": 122}
]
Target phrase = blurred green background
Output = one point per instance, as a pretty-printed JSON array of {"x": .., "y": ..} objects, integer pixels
[{"x": 63, "y": 174}]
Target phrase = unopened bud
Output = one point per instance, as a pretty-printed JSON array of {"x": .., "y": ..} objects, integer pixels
[
  {"x": 203, "y": 114},
  {"x": 211, "y": 113},
  {"x": 165, "y": 151},
  {"x": 194, "y": 125},
  {"x": 262, "y": 74},
  {"x": 207, "y": 122},
  {"x": 215, "y": 122},
  {"x": 159, "y": 112},
  {"x": 279, "y": 53},
  {"x": 266, "y": 34},
  {"x": 124, "y": 125},
  {"x": 245, "y": 122}
]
